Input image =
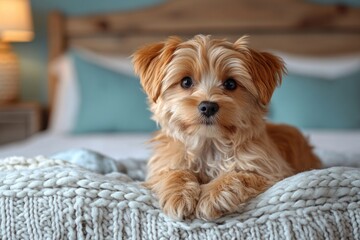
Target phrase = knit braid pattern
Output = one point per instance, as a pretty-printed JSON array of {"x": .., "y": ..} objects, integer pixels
[{"x": 42, "y": 198}]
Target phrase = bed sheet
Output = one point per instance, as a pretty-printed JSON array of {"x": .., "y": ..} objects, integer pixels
[
  {"x": 117, "y": 146},
  {"x": 334, "y": 147},
  {"x": 335, "y": 140}
]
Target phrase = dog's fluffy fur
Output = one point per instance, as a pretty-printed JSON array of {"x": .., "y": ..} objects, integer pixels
[{"x": 208, "y": 166}]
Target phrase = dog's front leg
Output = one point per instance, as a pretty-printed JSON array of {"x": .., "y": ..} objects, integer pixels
[
  {"x": 225, "y": 193},
  {"x": 178, "y": 192}
]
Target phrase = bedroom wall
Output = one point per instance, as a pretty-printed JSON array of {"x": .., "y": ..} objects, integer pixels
[{"x": 33, "y": 55}]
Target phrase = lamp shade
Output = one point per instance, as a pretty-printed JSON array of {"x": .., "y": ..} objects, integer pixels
[{"x": 15, "y": 21}]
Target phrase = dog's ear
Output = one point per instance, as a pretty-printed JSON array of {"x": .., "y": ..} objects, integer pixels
[
  {"x": 150, "y": 63},
  {"x": 266, "y": 71}
]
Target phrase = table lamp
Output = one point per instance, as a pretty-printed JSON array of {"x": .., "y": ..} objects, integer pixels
[{"x": 15, "y": 26}]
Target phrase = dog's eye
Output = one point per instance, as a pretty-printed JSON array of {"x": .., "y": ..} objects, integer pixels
[
  {"x": 230, "y": 84},
  {"x": 186, "y": 82}
]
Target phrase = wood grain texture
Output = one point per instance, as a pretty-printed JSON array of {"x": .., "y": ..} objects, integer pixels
[
  {"x": 293, "y": 26},
  {"x": 219, "y": 17},
  {"x": 312, "y": 44}
]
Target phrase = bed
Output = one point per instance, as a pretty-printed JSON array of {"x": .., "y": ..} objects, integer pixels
[
  {"x": 322, "y": 41},
  {"x": 305, "y": 35}
]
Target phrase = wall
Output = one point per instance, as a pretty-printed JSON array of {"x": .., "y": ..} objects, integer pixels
[{"x": 33, "y": 55}]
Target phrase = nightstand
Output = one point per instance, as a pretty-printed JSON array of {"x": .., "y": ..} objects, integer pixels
[{"x": 19, "y": 121}]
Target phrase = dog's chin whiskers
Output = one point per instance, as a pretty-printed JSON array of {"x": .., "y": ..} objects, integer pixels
[{"x": 207, "y": 121}]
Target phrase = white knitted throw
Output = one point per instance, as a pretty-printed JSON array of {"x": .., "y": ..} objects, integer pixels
[{"x": 51, "y": 199}]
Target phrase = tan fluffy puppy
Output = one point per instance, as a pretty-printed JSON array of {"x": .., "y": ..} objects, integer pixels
[{"x": 214, "y": 150}]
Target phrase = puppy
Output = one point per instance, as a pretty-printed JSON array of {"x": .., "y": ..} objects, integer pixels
[{"x": 214, "y": 150}]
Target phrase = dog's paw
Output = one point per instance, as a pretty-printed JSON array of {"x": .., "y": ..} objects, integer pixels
[
  {"x": 178, "y": 192},
  {"x": 181, "y": 204},
  {"x": 226, "y": 193},
  {"x": 214, "y": 202}
]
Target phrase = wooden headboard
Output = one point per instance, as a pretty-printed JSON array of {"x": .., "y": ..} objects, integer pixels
[{"x": 293, "y": 26}]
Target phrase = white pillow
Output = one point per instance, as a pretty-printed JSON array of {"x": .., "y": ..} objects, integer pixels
[
  {"x": 67, "y": 98},
  {"x": 329, "y": 68},
  {"x": 120, "y": 64}
]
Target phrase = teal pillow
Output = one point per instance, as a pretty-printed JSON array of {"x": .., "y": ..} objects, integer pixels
[
  {"x": 109, "y": 101},
  {"x": 309, "y": 102}
]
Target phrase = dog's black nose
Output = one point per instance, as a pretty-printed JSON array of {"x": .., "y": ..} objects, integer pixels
[{"x": 208, "y": 108}]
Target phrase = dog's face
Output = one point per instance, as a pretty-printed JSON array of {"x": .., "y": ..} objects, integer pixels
[{"x": 207, "y": 87}]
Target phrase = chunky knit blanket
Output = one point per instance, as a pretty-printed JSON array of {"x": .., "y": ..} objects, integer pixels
[{"x": 42, "y": 198}]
